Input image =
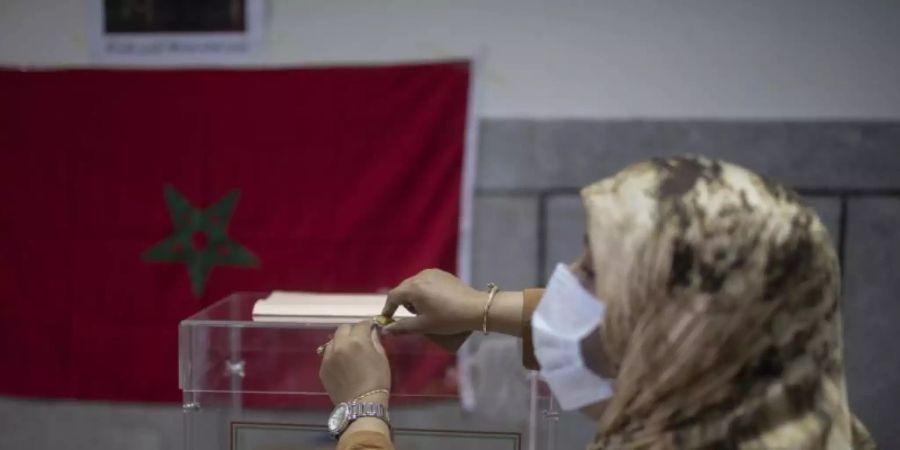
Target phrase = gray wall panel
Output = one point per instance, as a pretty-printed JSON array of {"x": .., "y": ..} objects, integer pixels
[
  {"x": 872, "y": 314},
  {"x": 504, "y": 247},
  {"x": 564, "y": 236},
  {"x": 529, "y": 154}
]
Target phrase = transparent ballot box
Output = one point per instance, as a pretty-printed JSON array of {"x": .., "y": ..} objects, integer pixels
[{"x": 255, "y": 385}]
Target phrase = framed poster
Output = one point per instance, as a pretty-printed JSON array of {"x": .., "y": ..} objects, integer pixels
[{"x": 175, "y": 31}]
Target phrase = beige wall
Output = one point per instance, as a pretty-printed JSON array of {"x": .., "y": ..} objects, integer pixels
[{"x": 568, "y": 58}]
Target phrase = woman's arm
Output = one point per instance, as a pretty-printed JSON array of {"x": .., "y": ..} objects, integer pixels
[
  {"x": 364, "y": 439},
  {"x": 530, "y": 300},
  {"x": 367, "y": 433},
  {"x": 444, "y": 305},
  {"x": 505, "y": 314},
  {"x": 355, "y": 367}
]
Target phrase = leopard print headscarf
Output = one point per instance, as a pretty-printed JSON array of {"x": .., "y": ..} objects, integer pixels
[{"x": 722, "y": 322}]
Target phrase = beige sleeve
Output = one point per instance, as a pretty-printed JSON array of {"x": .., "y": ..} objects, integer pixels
[
  {"x": 365, "y": 440},
  {"x": 531, "y": 298}
]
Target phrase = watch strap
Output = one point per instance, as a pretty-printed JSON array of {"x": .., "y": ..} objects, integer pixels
[
  {"x": 369, "y": 409},
  {"x": 356, "y": 410}
]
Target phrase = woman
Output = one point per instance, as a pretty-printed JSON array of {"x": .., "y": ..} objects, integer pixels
[{"x": 715, "y": 310}]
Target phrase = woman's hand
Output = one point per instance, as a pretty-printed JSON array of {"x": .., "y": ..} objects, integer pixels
[
  {"x": 443, "y": 304},
  {"x": 354, "y": 363}
]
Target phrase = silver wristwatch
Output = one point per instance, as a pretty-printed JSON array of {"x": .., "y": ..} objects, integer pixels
[{"x": 345, "y": 413}]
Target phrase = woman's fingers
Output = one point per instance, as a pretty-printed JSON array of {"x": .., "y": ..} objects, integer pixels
[
  {"x": 408, "y": 325},
  {"x": 389, "y": 309},
  {"x": 376, "y": 341},
  {"x": 327, "y": 349},
  {"x": 340, "y": 335},
  {"x": 360, "y": 330},
  {"x": 397, "y": 297},
  {"x": 342, "y": 332}
]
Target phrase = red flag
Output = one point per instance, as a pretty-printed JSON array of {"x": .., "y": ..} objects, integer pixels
[{"x": 131, "y": 199}]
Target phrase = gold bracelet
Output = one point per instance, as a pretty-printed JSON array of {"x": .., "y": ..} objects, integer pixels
[
  {"x": 492, "y": 291},
  {"x": 372, "y": 392}
]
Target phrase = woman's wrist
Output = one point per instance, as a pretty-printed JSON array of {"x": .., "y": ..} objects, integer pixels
[
  {"x": 379, "y": 397},
  {"x": 505, "y": 313},
  {"x": 370, "y": 423},
  {"x": 474, "y": 311}
]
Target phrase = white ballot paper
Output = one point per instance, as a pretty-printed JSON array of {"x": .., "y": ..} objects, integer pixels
[{"x": 309, "y": 307}]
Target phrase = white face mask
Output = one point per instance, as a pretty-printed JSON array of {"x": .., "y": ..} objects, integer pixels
[{"x": 566, "y": 314}]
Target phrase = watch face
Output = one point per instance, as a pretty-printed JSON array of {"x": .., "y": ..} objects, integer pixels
[{"x": 338, "y": 419}]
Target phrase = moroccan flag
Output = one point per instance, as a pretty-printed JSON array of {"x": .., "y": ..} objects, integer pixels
[{"x": 132, "y": 199}]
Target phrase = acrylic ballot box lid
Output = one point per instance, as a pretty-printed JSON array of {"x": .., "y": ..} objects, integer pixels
[{"x": 251, "y": 384}]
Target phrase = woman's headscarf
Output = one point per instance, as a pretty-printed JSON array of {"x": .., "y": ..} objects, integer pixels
[{"x": 722, "y": 322}]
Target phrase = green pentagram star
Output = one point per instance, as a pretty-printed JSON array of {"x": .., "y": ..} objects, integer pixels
[{"x": 200, "y": 239}]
